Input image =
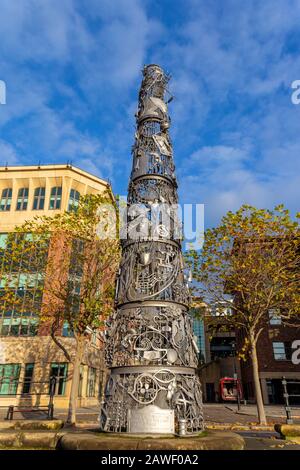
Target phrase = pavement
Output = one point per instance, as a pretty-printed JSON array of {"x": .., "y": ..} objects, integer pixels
[
  {"x": 223, "y": 413},
  {"x": 217, "y": 416},
  {"x": 260, "y": 440},
  {"x": 218, "y": 413}
]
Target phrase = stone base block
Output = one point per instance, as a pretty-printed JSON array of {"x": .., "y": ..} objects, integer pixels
[
  {"x": 289, "y": 432},
  {"x": 211, "y": 440},
  {"x": 28, "y": 424}
]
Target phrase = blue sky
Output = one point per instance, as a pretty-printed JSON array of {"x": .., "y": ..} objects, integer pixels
[{"x": 73, "y": 68}]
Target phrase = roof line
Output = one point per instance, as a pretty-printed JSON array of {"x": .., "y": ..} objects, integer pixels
[{"x": 52, "y": 167}]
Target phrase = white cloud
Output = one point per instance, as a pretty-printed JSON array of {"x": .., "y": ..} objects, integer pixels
[
  {"x": 72, "y": 70},
  {"x": 224, "y": 178},
  {"x": 41, "y": 31},
  {"x": 8, "y": 154},
  {"x": 102, "y": 48}
]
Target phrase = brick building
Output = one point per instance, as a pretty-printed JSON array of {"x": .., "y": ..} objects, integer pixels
[
  {"x": 218, "y": 358},
  {"x": 27, "y": 352},
  {"x": 274, "y": 351}
]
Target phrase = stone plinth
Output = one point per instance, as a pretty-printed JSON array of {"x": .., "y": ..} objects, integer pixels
[
  {"x": 290, "y": 432},
  {"x": 211, "y": 440},
  {"x": 51, "y": 435}
]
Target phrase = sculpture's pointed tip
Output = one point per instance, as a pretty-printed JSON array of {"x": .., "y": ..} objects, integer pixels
[{"x": 153, "y": 66}]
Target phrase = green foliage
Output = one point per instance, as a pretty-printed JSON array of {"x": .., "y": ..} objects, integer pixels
[
  {"x": 253, "y": 257},
  {"x": 69, "y": 260}
]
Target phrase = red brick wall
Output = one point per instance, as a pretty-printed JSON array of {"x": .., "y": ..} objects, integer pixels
[{"x": 266, "y": 360}]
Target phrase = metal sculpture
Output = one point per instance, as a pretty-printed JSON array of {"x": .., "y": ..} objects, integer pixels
[{"x": 151, "y": 350}]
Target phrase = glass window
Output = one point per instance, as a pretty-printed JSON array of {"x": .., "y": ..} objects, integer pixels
[
  {"x": 221, "y": 347},
  {"x": 67, "y": 332},
  {"x": 55, "y": 197},
  {"x": 16, "y": 324},
  {"x": 80, "y": 381},
  {"x": 22, "y": 201},
  {"x": 198, "y": 329},
  {"x": 274, "y": 316},
  {"x": 60, "y": 372},
  {"x": 6, "y": 197},
  {"x": 279, "y": 351},
  {"x": 76, "y": 261},
  {"x": 19, "y": 316},
  {"x": 3, "y": 240},
  {"x": 27, "y": 377},
  {"x": 101, "y": 383},
  {"x": 73, "y": 200},
  {"x": 94, "y": 338},
  {"x": 91, "y": 384},
  {"x": 3, "y": 244},
  {"x": 9, "y": 378},
  {"x": 39, "y": 199}
]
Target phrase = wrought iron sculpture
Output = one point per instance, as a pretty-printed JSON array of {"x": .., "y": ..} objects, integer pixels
[{"x": 151, "y": 350}]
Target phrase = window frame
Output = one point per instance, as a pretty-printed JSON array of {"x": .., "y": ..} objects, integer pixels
[
  {"x": 13, "y": 379},
  {"x": 281, "y": 348},
  {"x": 80, "y": 382},
  {"x": 91, "y": 382},
  {"x": 27, "y": 379},
  {"x": 20, "y": 318},
  {"x": 66, "y": 330},
  {"x": 61, "y": 379},
  {"x": 55, "y": 198},
  {"x": 22, "y": 199},
  {"x": 3, "y": 240},
  {"x": 6, "y": 196},
  {"x": 18, "y": 325},
  {"x": 39, "y": 199},
  {"x": 74, "y": 198},
  {"x": 274, "y": 319}
]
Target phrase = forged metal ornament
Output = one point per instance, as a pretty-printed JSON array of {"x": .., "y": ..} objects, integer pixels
[{"x": 150, "y": 347}]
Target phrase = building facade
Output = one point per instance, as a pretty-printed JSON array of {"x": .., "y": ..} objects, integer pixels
[
  {"x": 217, "y": 348},
  {"x": 28, "y": 355},
  {"x": 274, "y": 351}
]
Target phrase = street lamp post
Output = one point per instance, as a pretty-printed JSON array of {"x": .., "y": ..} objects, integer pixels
[{"x": 289, "y": 418}]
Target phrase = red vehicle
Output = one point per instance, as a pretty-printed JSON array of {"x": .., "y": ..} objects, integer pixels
[{"x": 230, "y": 389}]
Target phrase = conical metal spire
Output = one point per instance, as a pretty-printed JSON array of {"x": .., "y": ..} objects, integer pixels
[{"x": 151, "y": 351}]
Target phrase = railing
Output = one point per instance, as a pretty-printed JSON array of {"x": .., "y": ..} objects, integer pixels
[
  {"x": 287, "y": 396},
  {"x": 33, "y": 408}
]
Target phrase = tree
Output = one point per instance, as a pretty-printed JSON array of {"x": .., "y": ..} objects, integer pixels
[
  {"x": 67, "y": 264},
  {"x": 250, "y": 263}
]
